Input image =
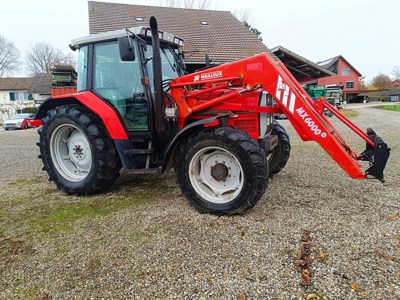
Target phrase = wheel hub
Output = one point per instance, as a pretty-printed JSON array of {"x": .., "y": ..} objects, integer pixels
[
  {"x": 219, "y": 171},
  {"x": 78, "y": 152},
  {"x": 216, "y": 174},
  {"x": 78, "y": 149}
]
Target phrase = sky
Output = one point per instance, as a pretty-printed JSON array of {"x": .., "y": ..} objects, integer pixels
[{"x": 365, "y": 32}]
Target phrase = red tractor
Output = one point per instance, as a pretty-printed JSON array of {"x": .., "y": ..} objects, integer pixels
[{"x": 137, "y": 108}]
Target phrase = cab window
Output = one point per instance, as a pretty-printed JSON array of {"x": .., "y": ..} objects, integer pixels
[{"x": 119, "y": 83}]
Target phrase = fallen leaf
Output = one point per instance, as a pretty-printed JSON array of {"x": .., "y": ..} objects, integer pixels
[
  {"x": 314, "y": 296},
  {"x": 306, "y": 277},
  {"x": 387, "y": 257},
  {"x": 355, "y": 287},
  {"x": 241, "y": 296},
  {"x": 322, "y": 255},
  {"x": 364, "y": 295},
  {"x": 300, "y": 262},
  {"x": 393, "y": 217}
]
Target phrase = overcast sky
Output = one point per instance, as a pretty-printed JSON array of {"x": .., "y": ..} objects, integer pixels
[{"x": 365, "y": 32}]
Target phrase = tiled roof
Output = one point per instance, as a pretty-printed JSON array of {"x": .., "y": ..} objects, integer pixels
[
  {"x": 15, "y": 83},
  {"x": 298, "y": 65},
  {"x": 225, "y": 37},
  {"x": 328, "y": 62},
  {"x": 41, "y": 84}
]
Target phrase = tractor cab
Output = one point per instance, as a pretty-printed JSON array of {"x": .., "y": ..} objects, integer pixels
[{"x": 117, "y": 66}]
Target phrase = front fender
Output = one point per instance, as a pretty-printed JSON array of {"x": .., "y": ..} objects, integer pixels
[
  {"x": 99, "y": 107},
  {"x": 194, "y": 127}
]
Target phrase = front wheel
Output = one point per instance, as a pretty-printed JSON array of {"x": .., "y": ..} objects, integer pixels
[
  {"x": 221, "y": 171},
  {"x": 77, "y": 152}
]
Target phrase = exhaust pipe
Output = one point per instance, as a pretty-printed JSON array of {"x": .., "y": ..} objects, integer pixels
[{"x": 159, "y": 103}]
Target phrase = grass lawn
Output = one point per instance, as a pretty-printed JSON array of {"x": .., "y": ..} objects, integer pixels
[{"x": 393, "y": 107}]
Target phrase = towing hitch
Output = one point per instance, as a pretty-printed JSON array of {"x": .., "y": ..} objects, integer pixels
[{"x": 377, "y": 156}]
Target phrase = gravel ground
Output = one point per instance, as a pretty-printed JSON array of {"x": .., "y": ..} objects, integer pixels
[{"x": 142, "y": 240}]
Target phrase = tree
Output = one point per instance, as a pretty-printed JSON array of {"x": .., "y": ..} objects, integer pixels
[
  {"x": 42, "y": 58},
  {"x": 244, "y": 16},
  {"x": 196, "y": 4},
  {"x": 255, "y": 31},
  {"x": 396, "y": 72},
  {"x": 361, "y": 83},
  {"x": 9, "y": 57},
  {"x": 381, "y": 81}
]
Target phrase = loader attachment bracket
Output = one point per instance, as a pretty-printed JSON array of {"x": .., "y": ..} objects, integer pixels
[{"x": 377, "y": 156}]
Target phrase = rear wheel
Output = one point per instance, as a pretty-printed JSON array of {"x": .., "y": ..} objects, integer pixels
[
  {"x": 221, "y": 171},
  {"x": 77, "y": 152},
  {"x": 279, "y": 156}
]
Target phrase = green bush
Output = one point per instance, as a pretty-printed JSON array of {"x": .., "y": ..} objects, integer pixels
[{"x": 29, "y": 110}]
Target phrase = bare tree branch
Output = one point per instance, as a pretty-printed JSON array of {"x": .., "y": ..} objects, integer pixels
[
  {"x": 203, "y": 4},
  {"x": 196, "y": 4},
  {"x": 243, "y": 15},
  {"x": 189, "y": 3},
  {"x": 9, "y": 57},
  {"x": 396, "y": 72},
  {"x": 42, "y": 58}
]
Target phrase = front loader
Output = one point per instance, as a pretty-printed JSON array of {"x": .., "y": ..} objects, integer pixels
[{"x": 136, "y": 108}]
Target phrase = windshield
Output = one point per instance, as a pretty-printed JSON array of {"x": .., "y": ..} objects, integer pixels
[
  {"x": 169, "y": 64},
  {"x": 20, "y": 116}
]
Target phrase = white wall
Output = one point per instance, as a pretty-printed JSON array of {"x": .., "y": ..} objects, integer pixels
[{"x": 9, "y": 108}]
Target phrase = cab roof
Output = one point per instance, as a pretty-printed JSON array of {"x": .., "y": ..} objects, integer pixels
[{"x": 143, "y": 32}]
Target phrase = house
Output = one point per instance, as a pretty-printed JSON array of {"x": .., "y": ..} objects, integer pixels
[
  {"x": 14, "y": 96},
  {"x": 18, "y": 93},
  {"x": 40, "y": 88},
  {"x": 395, "y": 83},
  {"x": 345, "y": 75},
  {"x": 216, "y": 33},
  {"x": 394, "y": 95},
  {"x": 219, "y": 34}
]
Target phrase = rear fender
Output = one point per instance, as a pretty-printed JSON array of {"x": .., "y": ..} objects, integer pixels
[
  {"x": 195, "y": 127},
  {"x": 104, "y": 111}
]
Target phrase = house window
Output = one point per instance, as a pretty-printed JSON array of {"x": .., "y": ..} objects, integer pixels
[
  {"x": 345, "y": 72},
  {"x": 203, "y": 22},
  {"x": 20, "y": 96},
  {"x": 350, "y": 84},
  {"x": 139, "y": 19}
]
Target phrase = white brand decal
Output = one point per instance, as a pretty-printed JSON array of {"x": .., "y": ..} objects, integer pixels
[
  {"x": 287, "y": 101},
  {"x": 310, "y": 122},
  {"x": 206, "y": 76}
]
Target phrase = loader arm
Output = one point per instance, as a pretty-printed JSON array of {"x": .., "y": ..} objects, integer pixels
[{"x": 306, "y": 116}]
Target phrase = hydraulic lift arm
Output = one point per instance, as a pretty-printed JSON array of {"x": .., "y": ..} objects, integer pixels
[{"x": 306, "y": 115}]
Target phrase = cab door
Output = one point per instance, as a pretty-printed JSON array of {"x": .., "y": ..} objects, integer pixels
[{"x": 120, "y": 84}]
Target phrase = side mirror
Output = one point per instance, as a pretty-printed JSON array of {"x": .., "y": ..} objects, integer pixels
[{"x": 126, "y": 49}]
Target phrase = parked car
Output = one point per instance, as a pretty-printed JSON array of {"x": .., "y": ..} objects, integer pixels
[
  {"x": 31, "y": 122},
  {"x": 17, "y": 121},
  {"x": 359, "y": 99}
]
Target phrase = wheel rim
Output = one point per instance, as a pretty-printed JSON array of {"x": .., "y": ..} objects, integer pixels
[
  {"x": 216, "y": 175},
  {"x": 71, "y": 152},
  {"x": 270, "y": 155}
]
